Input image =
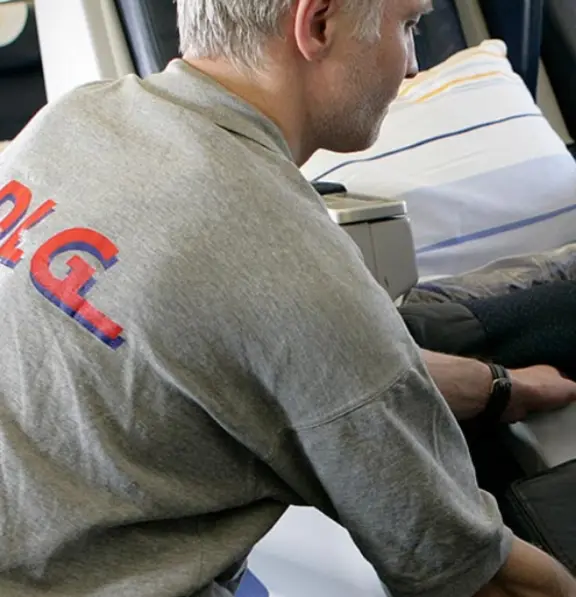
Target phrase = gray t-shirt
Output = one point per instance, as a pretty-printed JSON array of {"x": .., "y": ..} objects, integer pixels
[{"x": 190, "y": 345}]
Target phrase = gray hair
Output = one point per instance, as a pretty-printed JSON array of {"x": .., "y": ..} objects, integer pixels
[{"x": 238, "y": 29}]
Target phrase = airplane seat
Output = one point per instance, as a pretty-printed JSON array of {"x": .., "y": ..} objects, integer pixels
[{"x": 21, "y": 82}]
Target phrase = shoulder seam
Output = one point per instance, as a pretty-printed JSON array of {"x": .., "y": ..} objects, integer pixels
[{"x": 345, "y": 411}]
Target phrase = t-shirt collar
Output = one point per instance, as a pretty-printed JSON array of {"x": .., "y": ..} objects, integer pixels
[{"x": 190, "y": 86}]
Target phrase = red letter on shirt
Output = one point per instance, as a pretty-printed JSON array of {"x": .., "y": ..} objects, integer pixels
[
  {"x": 69, "y": 293},
  {"x": 20, "y": 197},
  {"x": 10, "y": 253}
]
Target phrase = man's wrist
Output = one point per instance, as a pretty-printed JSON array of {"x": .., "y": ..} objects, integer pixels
[
  {"x": 465, "y": 383},
  {"x": 529, "y": 571},
  {"x": 499, "y": 397}
]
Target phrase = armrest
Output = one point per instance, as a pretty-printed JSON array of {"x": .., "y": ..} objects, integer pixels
[
  {"x": 545, "y": 441},
  {"x": 381, "y": 229},
  {"x": 80, "y": 42}
]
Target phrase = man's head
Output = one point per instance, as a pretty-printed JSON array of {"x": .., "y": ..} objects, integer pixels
[{"x": 333, "y": 66}]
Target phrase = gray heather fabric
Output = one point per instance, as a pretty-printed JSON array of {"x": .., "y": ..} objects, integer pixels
[{"x": 201, "y": 349}]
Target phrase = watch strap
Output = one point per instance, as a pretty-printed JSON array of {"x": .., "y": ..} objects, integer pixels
[{"x": 500, "y": 395}]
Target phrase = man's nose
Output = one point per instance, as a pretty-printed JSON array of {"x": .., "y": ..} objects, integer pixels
[
  {"x": 412, "y": 67},
  {"x": 412, "y": 70}
]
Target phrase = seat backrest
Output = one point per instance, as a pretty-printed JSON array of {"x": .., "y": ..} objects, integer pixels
[
  {"x": 440, "y": 34},
  {"x": 150, "y": 27},
  {"x": 519, "y": 23},
  {"x": 559, "y": 54}
]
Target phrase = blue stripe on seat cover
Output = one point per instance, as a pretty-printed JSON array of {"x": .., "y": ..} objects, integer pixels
[{"x": 422, "y": 142}]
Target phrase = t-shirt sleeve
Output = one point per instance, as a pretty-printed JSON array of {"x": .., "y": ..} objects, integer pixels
[
  {"x": 383, "y": 444},
  {"x": 398, "y": 475}
]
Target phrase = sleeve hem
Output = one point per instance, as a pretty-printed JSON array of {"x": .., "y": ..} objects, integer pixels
[{"x": 471, "y": 577}]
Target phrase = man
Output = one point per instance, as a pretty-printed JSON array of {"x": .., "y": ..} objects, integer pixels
[{"x": 190, "y": 345}]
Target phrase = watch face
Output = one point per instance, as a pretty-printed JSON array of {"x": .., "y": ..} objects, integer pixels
[{"x": 502, "y": 388}]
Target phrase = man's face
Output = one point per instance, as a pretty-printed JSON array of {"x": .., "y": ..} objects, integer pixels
[{"x": 357, "y": 83}]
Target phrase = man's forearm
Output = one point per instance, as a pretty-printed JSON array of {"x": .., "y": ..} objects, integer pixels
[
  {"x": 466, "y": 386},
  {"x": 529, "y": 572},
  {"x": 464, "y": 383}
]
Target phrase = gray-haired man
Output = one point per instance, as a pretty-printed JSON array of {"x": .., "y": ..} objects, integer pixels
[{"x": 189, "y": 345}]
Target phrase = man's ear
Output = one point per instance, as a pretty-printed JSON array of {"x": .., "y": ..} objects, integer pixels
[{"x": 315, "y": 27}]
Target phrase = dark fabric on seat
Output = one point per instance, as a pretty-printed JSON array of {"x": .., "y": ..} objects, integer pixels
[
  {"x": 535, "y": 326},
  {"x": 150, "y": 27},
  {"x": 440, "y": 35},
  {"x": 22, "y": 91},
  {"x": 531, "y": 327},
  {"x": 450, "y": 328},
  {"x": 519, "y": 23},
  {"x": 559, "y": 54}
]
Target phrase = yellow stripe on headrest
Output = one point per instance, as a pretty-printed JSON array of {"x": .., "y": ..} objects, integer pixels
[
  {"x": 454, "y": 82},
  {"x": 495, "y": 48},
  {"x": 459, "y": 58}
]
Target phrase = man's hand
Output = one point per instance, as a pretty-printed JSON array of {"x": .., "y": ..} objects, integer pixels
[
  {"x": 537, "y": 389},
  {"x": 466, "y": 384}
]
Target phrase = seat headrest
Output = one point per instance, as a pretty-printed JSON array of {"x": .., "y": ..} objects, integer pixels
[{"x": 151, "y": 30}]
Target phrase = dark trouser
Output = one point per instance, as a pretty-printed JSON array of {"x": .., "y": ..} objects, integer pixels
[{"x": 536, "y": 326}]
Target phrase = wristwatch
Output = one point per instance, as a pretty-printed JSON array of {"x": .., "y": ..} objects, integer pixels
[{"x": 499, "y": 396}]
